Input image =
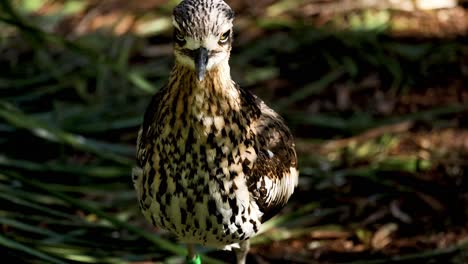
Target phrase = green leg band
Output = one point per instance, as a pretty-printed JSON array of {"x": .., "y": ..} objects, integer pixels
[{"x": 196, "y": 260}]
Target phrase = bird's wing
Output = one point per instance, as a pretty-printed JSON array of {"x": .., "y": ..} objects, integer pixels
[
  {"x": 274, "y": 174},
  {"x": 147, "y": 130}
]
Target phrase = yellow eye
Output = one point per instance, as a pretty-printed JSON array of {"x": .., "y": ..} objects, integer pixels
[{"x": 224, "y": 37}]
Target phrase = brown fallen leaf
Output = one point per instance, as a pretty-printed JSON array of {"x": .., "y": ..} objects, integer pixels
[{"x": 382, "y": 236}]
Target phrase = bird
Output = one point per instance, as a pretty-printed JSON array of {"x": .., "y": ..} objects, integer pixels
[{"x": 213, "y": 161}]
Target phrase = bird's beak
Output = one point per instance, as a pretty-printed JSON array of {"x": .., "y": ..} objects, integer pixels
[{"x": 201, "y": 59}]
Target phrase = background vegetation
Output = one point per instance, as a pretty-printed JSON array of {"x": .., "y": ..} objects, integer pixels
[{"x": 376, "y": 94}]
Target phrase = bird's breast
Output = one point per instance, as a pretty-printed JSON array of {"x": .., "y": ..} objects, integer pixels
[{"x": 199, "y": 166}]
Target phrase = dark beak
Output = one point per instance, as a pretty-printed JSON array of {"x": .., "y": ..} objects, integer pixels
[{"x": 201, "y": 59}]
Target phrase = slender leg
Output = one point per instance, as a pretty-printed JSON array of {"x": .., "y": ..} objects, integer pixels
[
  {"x": 241, "y": 253},
  {"x": 191, "y": 253}
]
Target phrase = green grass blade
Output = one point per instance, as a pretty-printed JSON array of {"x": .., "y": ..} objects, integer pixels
[
  {"x": 16, "y": 199},
  {"x": 162, "y": 243},
  {"x": 311, "y": 89},
  {"x": 105, "y": 150},
  {"x": 37, "y": 230},
  {"x": 6, "y": 242},
  {"x": 88, "y": 170}
]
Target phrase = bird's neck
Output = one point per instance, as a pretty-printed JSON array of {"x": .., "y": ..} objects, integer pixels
[{"x": 217, "y": 88}]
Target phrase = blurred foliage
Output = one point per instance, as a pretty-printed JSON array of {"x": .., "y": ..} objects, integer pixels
[{"x": 73, "y": 96}]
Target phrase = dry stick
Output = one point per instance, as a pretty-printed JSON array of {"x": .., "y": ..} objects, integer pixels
[{"x": 371, "y": 134}]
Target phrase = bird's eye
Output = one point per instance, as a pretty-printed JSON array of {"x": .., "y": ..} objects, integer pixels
[
  {"x": 179, "y": 36},
  {"x": 224, "y": 37}
]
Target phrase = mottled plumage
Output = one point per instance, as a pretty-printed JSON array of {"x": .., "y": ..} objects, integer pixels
[{"x": 214, "y": 161}]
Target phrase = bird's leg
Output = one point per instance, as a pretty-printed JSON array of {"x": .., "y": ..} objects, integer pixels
[
  {"x": 241, "y": 253},
  {"x": 192, "y": 257}
]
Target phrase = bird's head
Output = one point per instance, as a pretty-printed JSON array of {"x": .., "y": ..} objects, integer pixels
[{"x": 202, "y": 34}]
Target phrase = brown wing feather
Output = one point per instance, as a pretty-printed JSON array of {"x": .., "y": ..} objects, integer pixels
[
  {"x": 151, "y": 114},
  {"x": 274, "y": 175}
]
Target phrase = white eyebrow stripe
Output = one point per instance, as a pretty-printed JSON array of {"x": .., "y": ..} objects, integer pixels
[{"x": 225, "y": 27}]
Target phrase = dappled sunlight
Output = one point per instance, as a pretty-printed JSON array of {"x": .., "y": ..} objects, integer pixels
[{"x": 373, "y": 91}]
